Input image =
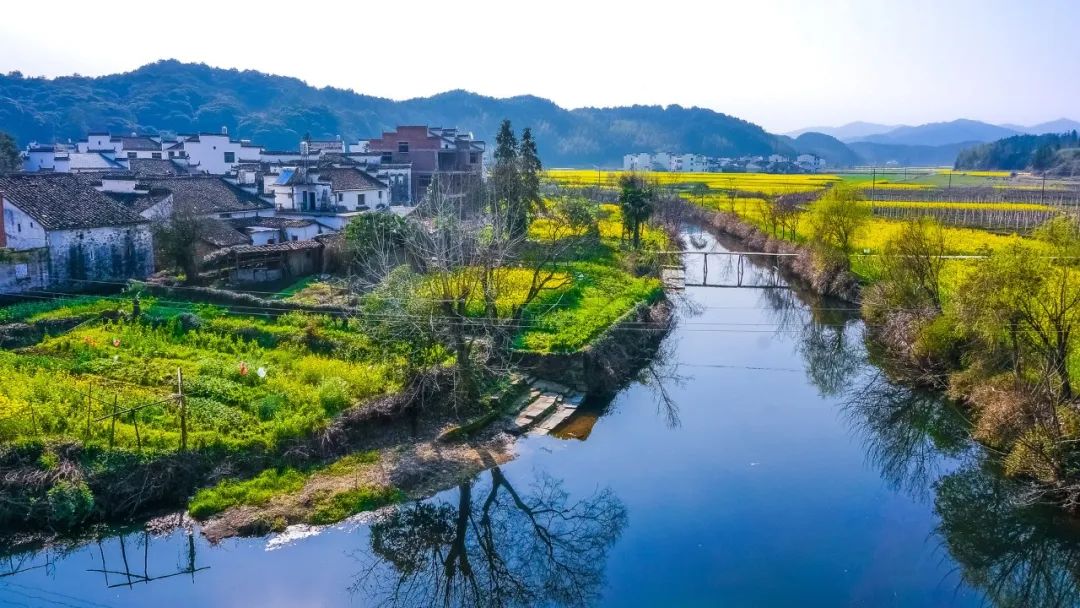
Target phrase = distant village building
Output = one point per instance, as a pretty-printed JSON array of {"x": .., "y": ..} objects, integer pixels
[
  {"x": 78, "y": 233},
  {"x": 329, "y": 195},
  {"x": 637, "y": 162},
  {"x": 214, "y": 153},
  {"x": 456, "y": 157}
]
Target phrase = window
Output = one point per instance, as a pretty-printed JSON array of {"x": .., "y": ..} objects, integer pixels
[
  {"x": 295, "y": 238},
  {"x": 20, "y": 226},
  {"x": 380, "y": 195},
  {"x": 474, "y": 157},
  {"x": 271, "y": 241},
  {"x": 230, "y": 157},
  {"x": 156, "y": 155},
  {"x": 132, "y": 155},
  {"x": 387, "y": 157},
  {"x": 171, "y": 154},
  {"x": 403, "y": 147},
  {"x": 340, "y": 197},
  {"x": 360, "y": 199}
]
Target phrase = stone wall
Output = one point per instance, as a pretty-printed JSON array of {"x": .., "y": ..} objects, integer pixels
[
  {"x": 23, "y": 270},
  {"x": 100, "y": 254}
]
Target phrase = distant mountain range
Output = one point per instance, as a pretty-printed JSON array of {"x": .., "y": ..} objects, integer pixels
[
  {"x": 850, "y": 131},
  {"x": 170, "y": 97},
  {"x": 937, "y": 133},
  {"x": 931, "y": 144}
]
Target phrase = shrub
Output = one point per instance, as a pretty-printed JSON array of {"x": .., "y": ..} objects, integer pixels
[{"x": 70, "y": 504}]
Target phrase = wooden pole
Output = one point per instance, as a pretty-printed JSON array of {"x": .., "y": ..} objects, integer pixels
[
  {"x": 112, "y": 425},
  {"x": 138, "y": 439},
  {"x": 89, "y": 406},
  {"x": 183, "y": 408}
]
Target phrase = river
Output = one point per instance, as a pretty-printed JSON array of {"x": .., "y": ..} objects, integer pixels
[{"x": 760, "y": 461}]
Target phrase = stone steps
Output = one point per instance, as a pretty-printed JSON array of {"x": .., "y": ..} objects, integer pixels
[{"x": 547, "y": 405}]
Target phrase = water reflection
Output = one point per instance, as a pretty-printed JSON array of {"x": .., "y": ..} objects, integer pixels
[
  {"x": 1018, "y": 555},
  {"x": 493, "y": 546},
  {"x": 828, "y": 336},
  {"x": 906, "y": 432}
]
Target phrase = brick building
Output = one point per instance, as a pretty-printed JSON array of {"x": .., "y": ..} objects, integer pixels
[{"x": 432, "y": 151}]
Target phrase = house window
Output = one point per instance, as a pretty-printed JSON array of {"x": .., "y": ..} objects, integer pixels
[
  {"x": 230, "y": 157},
  {"x": 403, "y": 147},
  {"x": 340, "y": 197},
  {"x": 132, "y": 155},
  {"x": 172, "y": 154},
  {"x": 380, "y": 195},
  {"x": 20, "y": 226},
  {"x": 271, "y": 241},
  {"x": 156, "y": 155},
  {"x": 387, "y": 157},
  {"x": 474, "y": 157},
  {"x": 360, "y": 199},
  {"x": 295, "y": 238}
]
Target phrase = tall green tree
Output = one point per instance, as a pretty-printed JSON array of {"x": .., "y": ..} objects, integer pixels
[
  {"x": 510, "y": 207},
  {"x": 636, "y": 198},
  {"x": 10, "y": 160},
  {"x": 530, "y": 171}
]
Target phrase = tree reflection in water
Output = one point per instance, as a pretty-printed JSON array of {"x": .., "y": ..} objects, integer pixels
[
  {"x": 1021, "y": 556},
  {"x": 1018, "y": 555},
  {"x": 495, "y": 547},
  {"x": 908, "y": 434},
  {"x": 827, "y": 337}
]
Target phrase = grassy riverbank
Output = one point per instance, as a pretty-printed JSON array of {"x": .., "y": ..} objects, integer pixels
[{"x": 185, "y": 394}]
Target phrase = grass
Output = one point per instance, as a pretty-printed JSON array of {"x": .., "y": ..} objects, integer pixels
[
  {"x": 601, "y": 289},
  {"x": 335, "y": 507},
  {"x": 62, "y": 308},
  {"x": 312, "y": 367},
  {"x": 328, "y": 506},
  {"x": 256, "y": 491}
]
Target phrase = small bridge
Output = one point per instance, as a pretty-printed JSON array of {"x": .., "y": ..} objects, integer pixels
[{"x": 728, "y": 270}]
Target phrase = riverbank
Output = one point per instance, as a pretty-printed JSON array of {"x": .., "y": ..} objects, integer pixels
[
  {"x": 1026, "y": 422},
  {"x": 406, "y": 428}
]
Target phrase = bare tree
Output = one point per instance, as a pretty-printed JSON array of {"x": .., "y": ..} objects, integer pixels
[{"x": 501, "y": 548}]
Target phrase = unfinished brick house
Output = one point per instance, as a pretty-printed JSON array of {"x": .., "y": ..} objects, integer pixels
[{"x": 456, "y": 157}]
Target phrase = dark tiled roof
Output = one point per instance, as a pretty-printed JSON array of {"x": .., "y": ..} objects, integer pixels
[
  {"x": 142, "y": 143},
  {"x": 206, "y": 194},
  {"x": 156, "y": 167},
  {"x": 221, "y": 234},
  {"x": 65, "y": 201},
  {"x": 92, "y": 161},
  {"x": 349, "y": 178},
  {"x": 254, "y": 250},
  {"x": 270, "y": 222},
  {"x": 139, "y": 201}
]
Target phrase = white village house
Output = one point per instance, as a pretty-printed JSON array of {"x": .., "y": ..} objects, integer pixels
[{"x": 77, "y": 233}]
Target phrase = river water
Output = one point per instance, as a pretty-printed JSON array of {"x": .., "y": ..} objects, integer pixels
[{"x": 760, "y": 461}]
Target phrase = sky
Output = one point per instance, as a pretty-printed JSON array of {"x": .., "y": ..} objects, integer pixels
[{"x": 783, "y": 64}]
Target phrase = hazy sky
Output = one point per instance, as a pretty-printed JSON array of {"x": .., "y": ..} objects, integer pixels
[{"x": 781, "y": 64}]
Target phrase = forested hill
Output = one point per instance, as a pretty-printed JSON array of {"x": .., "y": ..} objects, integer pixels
[
  {"x": 1055, "y": 154},
  {"x": 171, "y": 97}
]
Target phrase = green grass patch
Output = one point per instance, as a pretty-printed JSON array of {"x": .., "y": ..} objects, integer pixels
[
  {"x": 336, "y": 507},
  {"x": 256, "y": 491}
]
